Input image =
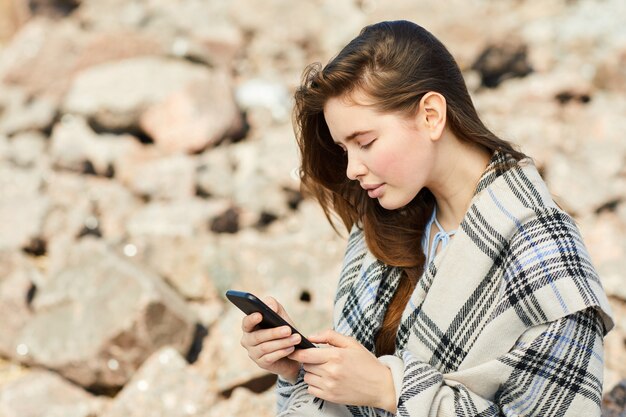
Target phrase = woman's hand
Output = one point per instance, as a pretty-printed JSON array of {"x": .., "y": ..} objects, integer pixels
[
  {"x": 269, "y": 348},
  {"x": 346, "y": 373}
]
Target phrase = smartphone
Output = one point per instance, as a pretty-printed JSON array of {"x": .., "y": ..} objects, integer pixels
[{"x": 249, "y": 304}]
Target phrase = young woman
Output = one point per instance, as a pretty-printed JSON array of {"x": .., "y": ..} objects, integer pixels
[{"x": 465, "y": 289}]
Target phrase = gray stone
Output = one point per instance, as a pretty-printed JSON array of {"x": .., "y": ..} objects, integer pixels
[
  {"x": 18, "y": 277},
  {"x": 176, "y": 218},
  {"x": 194, "y": 117},
  {"x": 179, "y": 260},
  {"x": 45, "y": 394},
  {"x": 99, "y": 318},
  {"x": 164, "y": 386},
  {"x": 74, "y": 144},
  {"x": 27, "y": 149},
  {"x": 216, "y": 169},
  {"x": 264, "y": 93},
  {"x": 20, "y": 201},
  {"x": 223, "y": 360},
  {"x": 614, "y": 403},
  {"x": 244, "y": 403},
  {"x": 167, "y": 178},
  {"x": 32, "y": 61},
  {"x": 21, "y": 112},
  {"x": 263, "y": 169},
  {"x": 142, "y": 81}
]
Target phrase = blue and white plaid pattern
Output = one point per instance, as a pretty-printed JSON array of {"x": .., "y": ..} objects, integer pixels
[{"x": 507, "y": 320}]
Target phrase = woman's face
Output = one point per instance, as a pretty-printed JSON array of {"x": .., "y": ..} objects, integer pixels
[{"x": 391, "y": 156}]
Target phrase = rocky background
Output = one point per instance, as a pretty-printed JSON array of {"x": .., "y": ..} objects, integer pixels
[{"x": 146, "y": 166}]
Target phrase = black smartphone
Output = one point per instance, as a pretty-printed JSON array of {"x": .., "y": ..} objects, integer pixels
[{"x": 249, "y": 304}]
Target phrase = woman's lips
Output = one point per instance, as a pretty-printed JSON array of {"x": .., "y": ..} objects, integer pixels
[{"x": 375, "y": 191}]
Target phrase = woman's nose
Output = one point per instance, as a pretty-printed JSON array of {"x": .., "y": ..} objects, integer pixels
[{"x": 355, "y": 169}]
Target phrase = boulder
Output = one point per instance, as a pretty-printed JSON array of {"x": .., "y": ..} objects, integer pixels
[
  {"x": 21, "y": 201},
  {"x": 22, "y": 112},
  {"x": 145, "y": 82},
  {"x": 194, "y": 117},
  {"x": 18, "y": 278},
  {"x": 244, "y": 403},
  {"x": 76, "y": 147},
  {"x": 32, "y": 62},
  {"x": 179, "y": 260},
  {"x": 164, "y": 386},
  {"x": 171, "y": 177},
  {"x": 101, "y": 316},
  {"x": 27, "y": 150},
  {"x": 175, "y": 218},
  {"x": 42, "y": 393}
]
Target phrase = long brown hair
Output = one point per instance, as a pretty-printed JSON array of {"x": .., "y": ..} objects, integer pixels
[{"x": 394, "y": 63}]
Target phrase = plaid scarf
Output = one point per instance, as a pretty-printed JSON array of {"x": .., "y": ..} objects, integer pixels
[{"x": 508, "y": 319}]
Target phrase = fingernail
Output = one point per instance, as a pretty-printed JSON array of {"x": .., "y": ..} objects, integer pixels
[
  {"x": 295, "y": 338},
  {"x": 285, "y": 331}
]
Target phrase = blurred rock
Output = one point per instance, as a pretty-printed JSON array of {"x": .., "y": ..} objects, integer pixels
[
  {"x": 99, "y": 318},
  {"x": 28, "y": 149},
  {"x": 262, "y": 93},
  {"x": 20, "y": 201},
  {"x": 53, "y": 8},
  {"x": 614, "y": 403},
  {"x": 75, "y": 146},
  {"x": 116, "y": 45},
  {"x": 10, "y": 371},
  {"x": 166, "y": 178},
  {"x": 615, "y": 354},
  {"x": 215, "y": 171},
  {"x": 180, "y": 261},
  {"x": 181, "y": 27},
  {"x": 195, "y": 117},
  {"x": 77, "y": 203},
  {"x": 12, "y": 15},
  {"x": 175, "y": 219},
  {"x": 32, "y": 61},
  {"x": 18, "y": 277},
  {"x": 568, "y": 184},
  {"x": 143, "y": 82},
  {"x": 223, "y": 360},
  {"x": 263, "y": 168},
  {"x": 244, "y": 403},
  {"x": 21, "y": 112},
  {"x": 603, "y": 236},
  {"x": 611, "y": 72},
  {"x": 164, "y": 386},
  {"x": 45, "y": 394},
  {"x": 502, "y": 61}
]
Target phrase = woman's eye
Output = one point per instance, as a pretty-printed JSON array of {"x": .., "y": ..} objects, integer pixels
[{"x": 368, "y": 144}]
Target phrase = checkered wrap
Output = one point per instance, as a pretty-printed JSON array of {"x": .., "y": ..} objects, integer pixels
[{"x": 508, "y": 319}]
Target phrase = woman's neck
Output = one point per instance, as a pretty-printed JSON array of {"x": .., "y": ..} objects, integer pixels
[{"x": 458, "y": 169}]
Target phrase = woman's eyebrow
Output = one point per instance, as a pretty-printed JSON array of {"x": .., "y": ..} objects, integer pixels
[{"x": 355, "y": 134}]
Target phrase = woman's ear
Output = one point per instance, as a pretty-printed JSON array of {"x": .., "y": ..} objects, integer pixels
[{"x": 433, "y": 114}]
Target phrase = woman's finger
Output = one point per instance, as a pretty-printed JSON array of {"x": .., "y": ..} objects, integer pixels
[
  {"x": 257, "y": 337},
  {"x": 313, "y": 380},
  {"x": 273, "y": 345},
  {"x": 271, "y": 358},
  {"x": 313, "y": 369},
  {"x": 250, "y": 321}
]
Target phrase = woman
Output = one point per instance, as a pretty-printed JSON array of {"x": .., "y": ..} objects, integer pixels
[{"x": 465, "y": 289}]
